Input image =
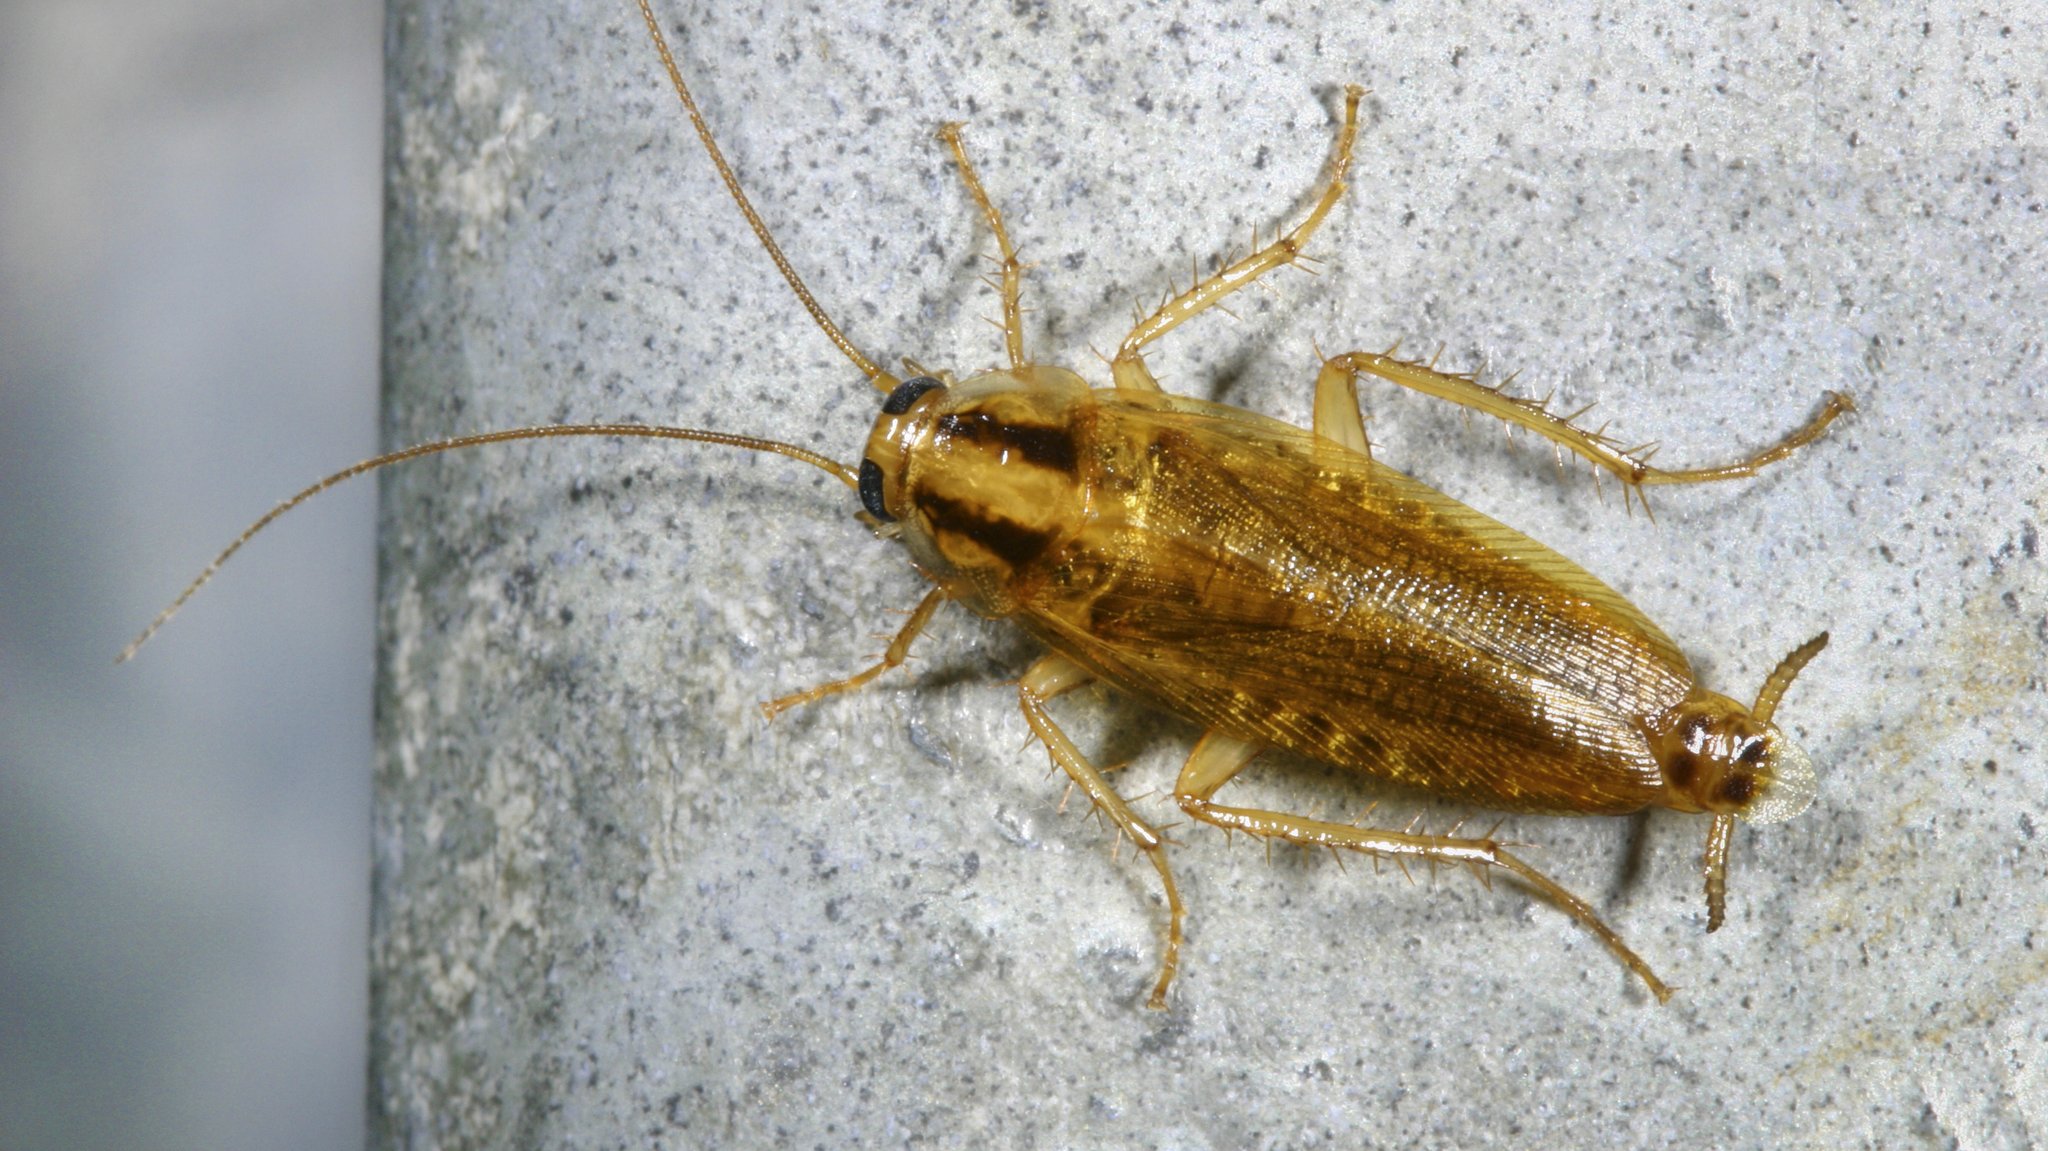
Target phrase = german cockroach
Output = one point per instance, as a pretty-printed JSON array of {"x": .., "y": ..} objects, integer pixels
[{"x": 1278, "y": 587}]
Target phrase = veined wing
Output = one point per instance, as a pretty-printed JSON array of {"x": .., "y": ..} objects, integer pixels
[{"x": 1279, "y": 588}]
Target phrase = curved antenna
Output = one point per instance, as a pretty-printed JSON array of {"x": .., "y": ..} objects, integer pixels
[
  {"x": 844, "y": 474},
  {"x": 1781, "y": 677},
  {"x": 1722, "y": 829},
  {"x": 882, "y": 380}
]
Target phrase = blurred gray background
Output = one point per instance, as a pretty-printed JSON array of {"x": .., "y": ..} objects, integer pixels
[{"x": 188, "y": 326}]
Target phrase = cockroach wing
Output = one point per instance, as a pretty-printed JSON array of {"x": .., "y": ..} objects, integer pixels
[{"x": 1274, "y": 586}]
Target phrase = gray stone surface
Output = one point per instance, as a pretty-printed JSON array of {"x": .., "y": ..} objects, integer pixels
[{"x": 615, "y": 908}]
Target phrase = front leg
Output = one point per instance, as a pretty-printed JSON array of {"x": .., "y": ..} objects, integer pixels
[
  {"x": 1012, "y": 268},
  {"x": 898, "y": 651}
]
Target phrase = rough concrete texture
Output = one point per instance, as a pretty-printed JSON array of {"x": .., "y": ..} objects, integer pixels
[{"x": 616, "y": 908}]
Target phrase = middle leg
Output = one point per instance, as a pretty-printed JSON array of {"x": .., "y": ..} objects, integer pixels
[{"x": 1055, "y": 675}]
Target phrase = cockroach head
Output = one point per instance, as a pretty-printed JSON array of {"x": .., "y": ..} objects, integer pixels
[
  {"x": 1793, "y": 783},
  {"x": 872, "y": 473},
  {"x": 982, "y": 479}
]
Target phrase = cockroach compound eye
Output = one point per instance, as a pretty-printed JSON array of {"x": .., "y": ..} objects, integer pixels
[{"x": 907, "y": 393}]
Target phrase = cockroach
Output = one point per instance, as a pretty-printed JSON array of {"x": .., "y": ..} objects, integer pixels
[{"x": 1279, "y": 588}]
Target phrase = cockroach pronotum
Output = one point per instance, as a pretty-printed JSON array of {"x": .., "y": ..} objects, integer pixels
[{"x": 1277, "y": 587}]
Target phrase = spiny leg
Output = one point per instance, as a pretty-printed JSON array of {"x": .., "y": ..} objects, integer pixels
[
  {"x": 898, "y": 649},
  {"x": 1053, "y": 676},
  {"x": 1336, "y": 416},
  {"x": 1013, "y": 268},
  {"x": 1218, "y": 758},
  {"x": 1336, "y": 386},
  {"x": 1128, "y": 368}
]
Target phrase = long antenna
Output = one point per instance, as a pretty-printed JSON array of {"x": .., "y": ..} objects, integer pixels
[
  {"x": 845, "y": 475},
  {"x": 881, "y": 379},
  {"x": 1781, "y": 677}
]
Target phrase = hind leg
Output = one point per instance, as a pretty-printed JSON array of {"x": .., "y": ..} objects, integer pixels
[
  {"x": 1336, "y": 406},
  {"x": 1218, "y": 758}
]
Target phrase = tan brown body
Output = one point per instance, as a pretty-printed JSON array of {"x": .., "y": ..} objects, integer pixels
[{"x": 1290, "y": 593}]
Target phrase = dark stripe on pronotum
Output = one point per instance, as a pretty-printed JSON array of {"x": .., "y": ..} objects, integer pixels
[
  {"x": 1011, "y": 541},
  {"x": 1044, "y": 446}
]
